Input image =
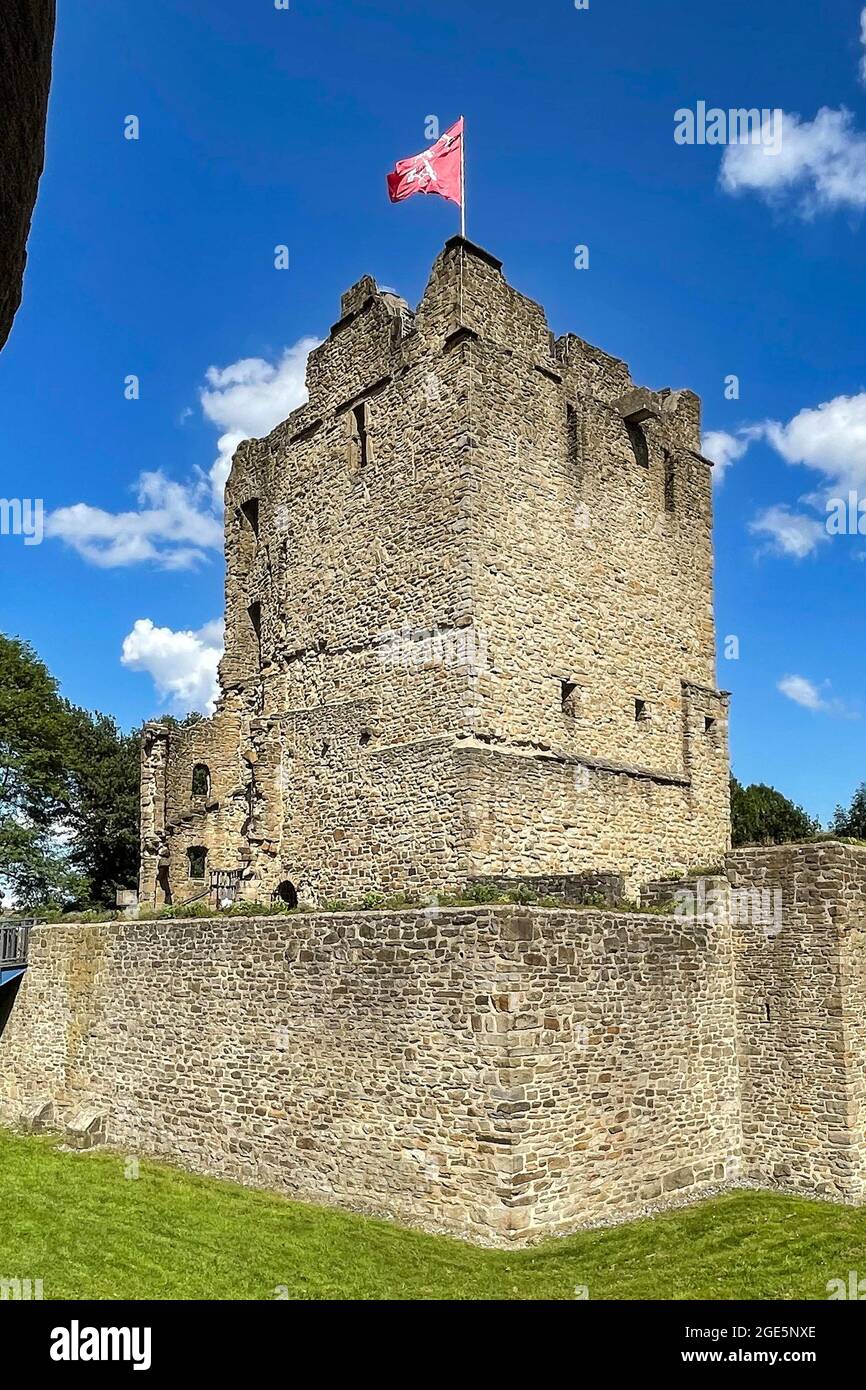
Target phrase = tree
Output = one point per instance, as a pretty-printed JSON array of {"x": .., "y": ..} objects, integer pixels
[
  {"x": 852, "y": 823},
  {"x": 32, "y": 774},
  {"x": 102, "y": 805},
  {"x": 68, "y": 791},
  {"x": 760, "y": 815}
]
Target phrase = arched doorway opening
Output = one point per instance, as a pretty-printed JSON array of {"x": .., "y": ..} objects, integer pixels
[{"x": 287, "y": 893}]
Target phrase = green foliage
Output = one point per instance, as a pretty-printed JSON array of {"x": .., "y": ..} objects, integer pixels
[
  {"x": 482, "y": 893},
  {"x": 245, "y": 909},
  {"x": 594, "y": 900},
  {"x": 851, "y": 824},
  {"x": 760, "y": 815},
  {"x": 32, "y": 768},
  {"x": 479, "y": 894},
  {"x": 198, "y": 1238},
  {"x": 68, "y": 791},
  {"x": 203, "y": 907},
  {"x": 102, "y": 812},
  {"x": 371, "y": 901}
]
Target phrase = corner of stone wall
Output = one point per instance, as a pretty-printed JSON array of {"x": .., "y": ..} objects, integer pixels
[{"x": 798, "y": 915}]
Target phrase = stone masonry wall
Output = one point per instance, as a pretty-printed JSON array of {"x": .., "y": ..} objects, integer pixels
[
  {"x": 468, "y": 619},
  {"x": 801, "y": 1017},
  {"x": 501, "y": 1073}
]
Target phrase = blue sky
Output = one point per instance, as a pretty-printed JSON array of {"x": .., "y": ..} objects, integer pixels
[{"x": 262, "y": 127}]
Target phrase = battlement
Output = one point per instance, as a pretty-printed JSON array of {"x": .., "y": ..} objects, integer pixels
[{"x": 467, "y": 299}]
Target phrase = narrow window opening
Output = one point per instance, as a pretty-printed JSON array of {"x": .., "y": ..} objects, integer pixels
[
  {"x": 569, "y": 695},
  {"x": 326, "y": 748},
  {"x": 359, "y": 413},
  {"x": 670, "y": 492},
  {"x": 709, "y": 724},
  {"x": 639, "y": 445},
  {"x": 767, "y": 1010},
  {"x": 572, "y": 436},
  {"x": 201, "y": 780},
  {"x": 197, "y": 856},
  {"x": 164, "y": 883},
  {"x": 641, "y": 710},
  {"x": 255, "y": 615},
  {"x": 250, "y": 510},
  {"x": 364, "y": 737}
]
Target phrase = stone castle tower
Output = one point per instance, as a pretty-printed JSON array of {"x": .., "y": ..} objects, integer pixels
[{"x": 469, "y": 626}]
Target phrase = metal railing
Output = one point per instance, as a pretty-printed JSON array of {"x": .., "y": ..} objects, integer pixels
[
  {"x": 14, "y": 943},
  {"x": 224, "y": 884}
]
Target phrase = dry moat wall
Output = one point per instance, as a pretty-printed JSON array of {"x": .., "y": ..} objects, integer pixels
[
  {"x": 499, "y": 1072},
  {"x": 492, "y": 1071}
]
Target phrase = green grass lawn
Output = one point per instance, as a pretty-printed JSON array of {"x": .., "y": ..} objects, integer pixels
[{"x": 88, "y": 1231}]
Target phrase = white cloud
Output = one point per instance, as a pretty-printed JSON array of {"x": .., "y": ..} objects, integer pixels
[
  {"x": 249, "y": 398},
  {"x": 806, "y": 693},
  {"x": 790, "y": 533},
  {"x": 724, "y": 449},
  {"x": 176, "y": 524},
  {"x": 802, "y": 692},
  {"x": 169, "y": 528},
  {"x": 183, "y": 664},
  {"x": 829, "y": 439},
  {"x": 821, "y": 163},
  {"x": 863, "y": 42}
]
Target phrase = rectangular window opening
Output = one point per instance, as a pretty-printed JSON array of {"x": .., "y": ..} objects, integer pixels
[
  {"x": 709, "y": 724},
  {"x": 572, "y": 436},
  {"x": 670, "y": 493},
  {"x": 641, "y": 711},
  {"x": 569, "y": 695},
  {"x": 197, "y": 856},
  {"x": 639, "y": 446},
  {"x": 250, "y": 510},
  {"x": 255, "y": 616},
  {"x": 359, "y": 413}
]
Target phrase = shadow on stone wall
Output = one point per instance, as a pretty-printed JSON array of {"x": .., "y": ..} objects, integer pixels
[{"x": 8, "y": 995}]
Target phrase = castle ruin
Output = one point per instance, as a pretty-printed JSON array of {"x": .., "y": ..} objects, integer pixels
[
  {"x": 469, "y": 636},
  {"x": 469, "y": 627}
]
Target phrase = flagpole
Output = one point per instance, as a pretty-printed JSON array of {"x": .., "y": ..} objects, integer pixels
[{"x": 463, "y": 180}]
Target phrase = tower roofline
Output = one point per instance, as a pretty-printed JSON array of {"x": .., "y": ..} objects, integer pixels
[{"x": 461, "y": 242}]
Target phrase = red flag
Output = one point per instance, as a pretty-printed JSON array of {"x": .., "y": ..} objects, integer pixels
[{"x": 438, "y": 169}]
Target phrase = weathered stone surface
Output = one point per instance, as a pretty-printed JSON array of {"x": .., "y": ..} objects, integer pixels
[
  {"x": 469, "y": 623},
  {"x": 37, "y": 1117},
  {"x": 500, "y": 1072},
  {"x": 26, "y": 36},
  {"x": 87, "y": 1128},
  {"x": 801, "y": 1017}
]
